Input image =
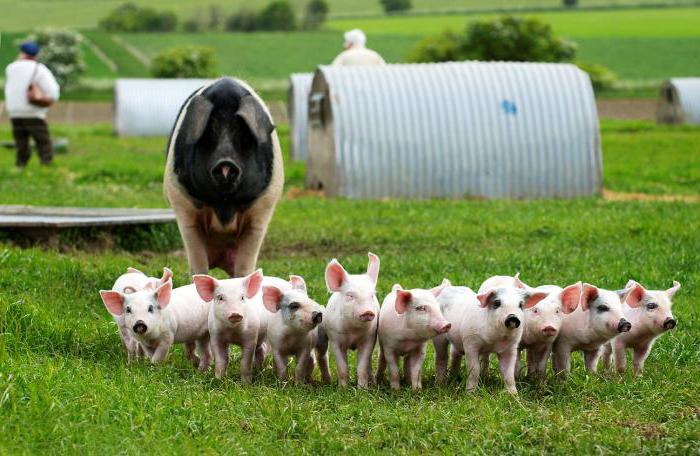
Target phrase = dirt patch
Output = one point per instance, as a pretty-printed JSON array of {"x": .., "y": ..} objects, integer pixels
[
  {"x": 622, "y": 196},
  {"x": 627, "y": 109},
  {"x": 298, "y": 192}
]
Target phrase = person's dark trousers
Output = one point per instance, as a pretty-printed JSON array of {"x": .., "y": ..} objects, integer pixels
[{"x": 22, "y": 130}]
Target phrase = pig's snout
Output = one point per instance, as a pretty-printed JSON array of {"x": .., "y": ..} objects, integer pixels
[
  {"x": 367, "y": 316},
  {"x": 442, "y": 328},
  {"x": 316, "y": 317},
  {"x": 623, "y": 326},
  {"x": 140, "y": 327},
  {"x": 235, "y": 318},
  {"x": 512, "y": 322},
  {"x": 549, "y": 331},
  {"x": 669, "y": 323},
  {"x": 225, "y": 171}
]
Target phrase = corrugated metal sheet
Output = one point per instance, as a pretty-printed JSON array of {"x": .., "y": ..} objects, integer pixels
[
  {"x": 148, "y": 107},
  {"x": 298, "y": 108},
  {"x": 467, "y": 129},
  {"x": 679, "y": 101}
]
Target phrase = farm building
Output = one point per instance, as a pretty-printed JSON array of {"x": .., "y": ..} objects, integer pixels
[
  {"x": 297, "y": 108},
  {"x": 148, "y": 107},
  {"x": 679, "y": 102},
  {"x": 468, "y": 129}
]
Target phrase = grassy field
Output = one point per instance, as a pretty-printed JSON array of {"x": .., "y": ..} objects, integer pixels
[{"x": 65, "y": 386}]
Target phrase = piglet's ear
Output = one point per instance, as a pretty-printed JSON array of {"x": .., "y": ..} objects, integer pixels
[
  {"x": 518, "y": 283},
  {"x": 253, "y": 283},
  {"x": 672, "y": 291},
  {"x": 571, "y": 297},
  {"x": 336, "y": 276},
  {"x": 196, "y": 119},
  {"x": 484, "y": 298},
  {"x": 633, "y": 294},
  {"x": 114, "y": 301},
  {"x": 531, "y": 299},
  {"x": 298, "y": 283},
  {"x": 373, "y": 267},
  {"x": 131, "y": 270},
  {"x": 167, "y": 275},
  {"x": 403, "y": 299},
  {"x": 437, "y": 290},
  {"x": 254, "y": 116},
  {"x": 206, "y": 286},
  {"x": 163, "y": 293},
  {"x": 272, "y": 297},
  {"x": 589, "y": 294}
]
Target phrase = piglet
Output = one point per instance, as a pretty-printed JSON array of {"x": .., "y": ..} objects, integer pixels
[
  {"x": 542, "y": 324},
  {"x": 407, "y": 320},
  {"x": 130, "y": 282},
  {"x": 350, "y": 319},
  {"x": 159, "y": 318},
  {"x": 502, "y": 282},
  {"x": 649, "y": 312},
  {"x": 597, "y": 320},
  {"x": 236, "y": 316},
  {"x": 292, "y": 330}
]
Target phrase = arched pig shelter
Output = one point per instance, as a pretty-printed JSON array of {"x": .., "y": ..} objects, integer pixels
[
  {"x": 297, "y": 107},
  {"x": 679, "y": 102},
  {"x": 467, "y": 129}
]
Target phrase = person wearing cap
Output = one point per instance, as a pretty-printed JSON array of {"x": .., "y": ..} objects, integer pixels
[
  {"x": 356, "y": 53},
  {"x": 29, "y": 88}
]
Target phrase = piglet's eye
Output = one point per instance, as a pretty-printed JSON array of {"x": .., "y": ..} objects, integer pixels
[
  {"x": 150, "y": 308},
  {"x": 349, "y": 297},
  {"x": 128, "y": 310},
  {"x": 520, "y": 305},
  {"x": 294, "y": 306},
  {"x": 652, "y": 306},
  {"x": 220, "y": 298},
  {"x": 496, "y": 304},
  {"x": 421, "y": 308},
  {"x": 603, "y": 308}
]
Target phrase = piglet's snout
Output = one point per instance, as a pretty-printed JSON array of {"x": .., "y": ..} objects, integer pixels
[
  {"x": 140, "y": 327},
  {"x": 443, "y": 327},
  {"x": 549, "y": 331},
  {"x": 623, "y": 326},
  {"x": 367, "y": 316},
  {"x": 512, "y": 322},
  {"x": 669, "y": 323},
  {"x": 316, "y": 317},
  {"x": 235, "y": 318}
]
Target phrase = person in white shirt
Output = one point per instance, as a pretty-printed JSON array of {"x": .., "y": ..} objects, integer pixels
[
  {"x": 29, "y": 118},
  {"x": 356, "y": 53}
]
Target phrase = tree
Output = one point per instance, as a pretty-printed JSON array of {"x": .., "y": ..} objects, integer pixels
[
  {"x": 185, "y": 62},
  {"x": 61, "y": 53},
  {"x": 315, "y": 16},
  {"x": 278, "y": 15},
  {"x": 395, "y": 6}
]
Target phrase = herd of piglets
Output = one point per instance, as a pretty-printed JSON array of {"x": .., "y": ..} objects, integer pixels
[{"x": 268, "y": 315}]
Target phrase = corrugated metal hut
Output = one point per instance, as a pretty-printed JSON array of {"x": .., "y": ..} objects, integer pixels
[
  {"x": 148, "y": 107},
  {"x": 297, "y": 108},
  {"x": 467, "y": 129},
  {"x": 679, "y": 102}
]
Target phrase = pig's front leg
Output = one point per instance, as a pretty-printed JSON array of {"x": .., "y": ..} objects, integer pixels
[
  {"x": 195, "y": 244},
  {"x": 364, "y": 363},
  {"x": 341, "y": 363},
  {"x": 415, "y": 367},
  {"x": 247, "y": 355},
  {"x": 639, "y": 356},
  {"x": 281, "y": 363},
  {"x": 442, "y": 346},
  {"x": 161, "y": 351},
  {"x": 392, "y": 362},
  {"x": 248, "y": 247},
  {"x": 506, "y": 363},
  {"x": 220, "y": 349},
  {"x": 473, "y": 367},
  {"x": 620, "y": 356},
  {"x": 590, "y": 358}
]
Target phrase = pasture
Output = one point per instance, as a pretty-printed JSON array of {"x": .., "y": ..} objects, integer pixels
[{"x": 65, "y": 385}]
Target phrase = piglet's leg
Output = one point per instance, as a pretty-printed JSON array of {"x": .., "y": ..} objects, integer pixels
[
  {"x": 204, "y": 354},
  {"x": 322, "y": 360},
  {"x": 620, "y": 356},
  {"x": 341, "y": 363},
  {"x": 301, "y": 372},
  {"x": 640, "y": 355},
  {"x": 416, "y": 367},
  {"x": 220, "y": 349},
  {"x": 161, "y": 352},
  {"x": 364, "y": 364},
  {"x": 561, "y": 359},
  {"x": 381, "y": 365},
  {"x": 606, "y": 355},
  {"x": 590, "y": 358},
  {"x": 473, "y": 368},
  {"x": 191, "y": 355},
  {"x": 442, "y": 346},
  {"x": 506, "y": 363},
  {"x": 248, "y": 352},
  {"x": 392, "y": 362},
  {"x": 281, "y": 363},
  {"x": 455, "y": 362}
]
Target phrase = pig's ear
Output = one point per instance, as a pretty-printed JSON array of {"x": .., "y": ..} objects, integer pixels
[
  {"x": 531, "y": 299},
  {"x": 253, "y": 283},
  {"x": 588, "y": 295},
  {"x": 255, "y": 117},
  {"x": 633, "y": 294},
  {"x": 196, "y": 119},
  {"x": 163, "y": 293},
  {"x": 206, "y": 286},
  {"x": 437, "y": 290},
  {"x": 114, "y": 301},
  {"x": 485, "y": 297},
  {"x": 403, "y": 298},
  {"x": 517, "y": 282},
  {"x": 335, "y": 276},
  {"x": 131, "y": 270},
  {"x": 672, "y": 291},
  {"x": 298, "y": 283},
  {"x": 571, "y": 297},
  {"x": 373, "y": 267},
  {"x": 272, "y": 297},
  {"x": 167, "y": 275}
]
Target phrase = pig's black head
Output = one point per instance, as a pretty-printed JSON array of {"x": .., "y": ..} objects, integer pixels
[{"x": 223, "y": 148}]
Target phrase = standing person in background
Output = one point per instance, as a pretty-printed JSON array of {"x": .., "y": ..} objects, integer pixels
[
  {"x": 30, "y": 89},
  {"x": 355, "y": 52}
]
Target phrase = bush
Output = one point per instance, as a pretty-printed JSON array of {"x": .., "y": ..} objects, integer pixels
[
  {"x": 394, "y": 6},
  {"x": 132, "y": 18},
  {"x": 242, "y": 21},
  {"x": 315, "y": 16},
  {"x": 602, "y": 77},
  {"x": 185, "y": 62},
  {"x": 215, "y": 15},
  {"x": 278, "y": 15},
  {"x": 505, "y": 39},
  {"x": 570, "y": 3},
  {"x": 195, "y": 24},
  {"x": 61, "y": 53}
]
